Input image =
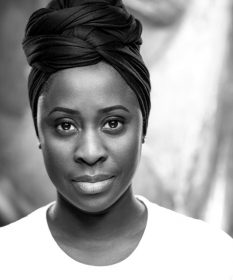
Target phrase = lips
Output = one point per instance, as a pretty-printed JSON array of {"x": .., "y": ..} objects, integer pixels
[
  {"x": 93, "y": 184},
  {"x": 92, "y": 179}
]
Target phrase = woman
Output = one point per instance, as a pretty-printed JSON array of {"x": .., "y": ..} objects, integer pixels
[{"x": 89, "y": 94}]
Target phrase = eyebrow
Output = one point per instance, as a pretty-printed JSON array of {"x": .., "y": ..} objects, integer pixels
[
  {"x": 76, "y": 112},
  {"x": 112, "y": 108},
  {"x": 65, "y": 110}
]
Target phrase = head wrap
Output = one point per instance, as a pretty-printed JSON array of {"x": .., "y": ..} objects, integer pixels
[{"x": 74, "y": 33}]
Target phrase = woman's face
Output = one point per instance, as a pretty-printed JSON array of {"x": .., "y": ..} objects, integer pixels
[{"x": 90, "y": 129}]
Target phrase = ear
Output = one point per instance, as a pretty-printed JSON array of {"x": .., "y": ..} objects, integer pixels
[{"x": 39, "y": 146}]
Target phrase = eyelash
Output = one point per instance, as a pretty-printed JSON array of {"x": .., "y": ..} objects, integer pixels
[
  {"x": 63, "y": 131},
  {"x": 67, "y": 132},
  {"x": 114, "y": 130}
]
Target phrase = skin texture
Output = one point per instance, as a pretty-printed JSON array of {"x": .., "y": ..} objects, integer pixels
[{"x": 92, "y": 139}]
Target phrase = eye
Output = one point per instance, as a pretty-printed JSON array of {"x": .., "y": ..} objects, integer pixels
[
  {"x": 113, "y": 125},
  {"x": 66, "y": 128}
]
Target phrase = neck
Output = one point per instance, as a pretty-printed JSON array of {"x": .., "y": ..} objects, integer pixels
[{"x": 125, "y": 213}]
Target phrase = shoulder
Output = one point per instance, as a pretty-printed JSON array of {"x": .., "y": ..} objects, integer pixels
[
  {"x": 177, "y": 223},
  {"x": 188, "y": 240},
  {"x": 25, "y": 247},
  {"x": 31, "y": 218},
  {"x": 24, "y": 231}
]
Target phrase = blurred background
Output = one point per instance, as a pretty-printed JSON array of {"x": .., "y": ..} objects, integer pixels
[{"x": 187, "y": 160}]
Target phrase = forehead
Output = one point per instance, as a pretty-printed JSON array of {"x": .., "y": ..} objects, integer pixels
[{"x": 90, "y": 86}]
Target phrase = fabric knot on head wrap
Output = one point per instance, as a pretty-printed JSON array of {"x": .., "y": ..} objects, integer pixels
[{"x": 78, "y": 33}]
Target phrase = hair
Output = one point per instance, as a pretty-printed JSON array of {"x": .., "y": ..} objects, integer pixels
[{"x": 75, "y": 33}]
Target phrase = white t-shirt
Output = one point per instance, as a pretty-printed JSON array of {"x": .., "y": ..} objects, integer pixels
[{"x": 173, "y": 247}]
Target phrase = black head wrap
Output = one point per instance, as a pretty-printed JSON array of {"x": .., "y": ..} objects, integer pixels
[{"x": 73, "y": 33}]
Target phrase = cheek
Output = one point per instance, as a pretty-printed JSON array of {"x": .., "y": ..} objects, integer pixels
[
  {"x": 128, "y": 152},
  {"x": 56, "y": 158}
]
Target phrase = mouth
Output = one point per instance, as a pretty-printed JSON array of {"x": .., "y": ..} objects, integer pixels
[{"x": 93, "y": 184}]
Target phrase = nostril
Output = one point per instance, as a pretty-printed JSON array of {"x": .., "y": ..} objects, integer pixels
[
  {"x": 90, "y": 148},
  {"x": 89, "y": 159}
]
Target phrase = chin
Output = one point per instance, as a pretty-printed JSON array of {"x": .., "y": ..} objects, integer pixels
[{"x": 94, "y": 204}]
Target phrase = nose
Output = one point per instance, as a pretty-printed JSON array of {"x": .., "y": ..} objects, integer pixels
[{"x": 90, "y": 149}]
